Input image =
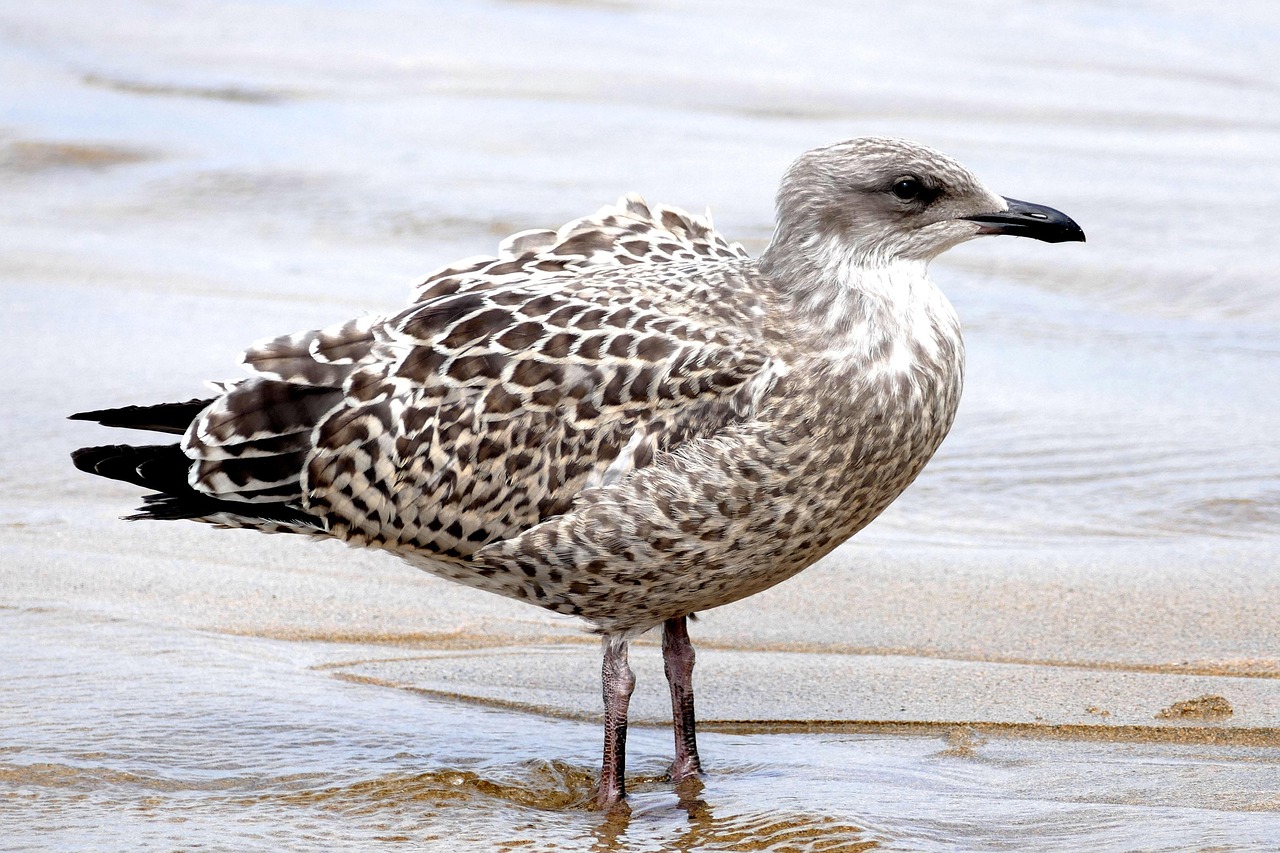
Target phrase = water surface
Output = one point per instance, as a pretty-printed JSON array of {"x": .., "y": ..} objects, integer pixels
[
  {"x": 183, "y": 178},
  {"x": 172, "y": 740}
]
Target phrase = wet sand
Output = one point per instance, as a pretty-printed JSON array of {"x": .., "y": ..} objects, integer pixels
[
  {"x": 1064, "y": 636},
  {"x": 923, "y": 637},
  {"x": 271, "y": 694}
]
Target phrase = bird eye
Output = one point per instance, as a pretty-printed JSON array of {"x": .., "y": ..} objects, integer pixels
[{"x": 907, "y": 189}]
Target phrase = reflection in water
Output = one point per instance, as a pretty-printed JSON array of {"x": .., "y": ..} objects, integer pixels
[
  {"x": 536, "y": 784},
  {"x": 540, "y": 789},
  {"x": 761, "y": 830},
  {"x": 116, "y": 736}
]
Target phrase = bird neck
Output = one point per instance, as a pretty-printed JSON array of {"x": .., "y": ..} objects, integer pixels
[{"x": 844, "y": 289}]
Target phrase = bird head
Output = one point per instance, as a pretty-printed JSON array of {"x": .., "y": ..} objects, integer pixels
[{"x": 873, "y": 201}]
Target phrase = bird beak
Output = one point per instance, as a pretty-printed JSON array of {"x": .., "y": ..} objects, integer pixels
[{"x": 1024, "y": 219}]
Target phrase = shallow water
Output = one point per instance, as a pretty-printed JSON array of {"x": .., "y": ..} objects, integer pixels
[
  {"x": 181, "y": 179},
  {"x": 166, "y": 739}
]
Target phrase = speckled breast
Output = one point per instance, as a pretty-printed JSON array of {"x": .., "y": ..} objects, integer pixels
[{"x": 723, "y": 519}]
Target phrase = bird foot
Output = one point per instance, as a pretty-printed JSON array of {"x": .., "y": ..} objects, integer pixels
[
  {"x": 611, "y": 799},
  {"x": 682, "y": 770}
]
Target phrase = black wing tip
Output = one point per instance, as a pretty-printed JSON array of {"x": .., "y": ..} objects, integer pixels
[
  {"x": 161, "y": 417},
  {"x": 167, "y": 507},
  {"x": 155, "y": 466},
  {"x": 88, "y": 459},
  {"x": 170, "y": 507}
]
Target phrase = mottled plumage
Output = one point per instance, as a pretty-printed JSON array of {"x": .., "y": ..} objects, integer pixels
[{"x": 627, "y": 419}]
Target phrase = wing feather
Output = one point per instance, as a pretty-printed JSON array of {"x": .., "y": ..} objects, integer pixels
[
  {"x": 624, "y": 234},
  {"x": 510, "y": 384},
  {"x": 479, "y": 415}
]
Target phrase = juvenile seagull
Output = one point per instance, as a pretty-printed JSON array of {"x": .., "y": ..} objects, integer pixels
[{"x": 627, "y": 419}]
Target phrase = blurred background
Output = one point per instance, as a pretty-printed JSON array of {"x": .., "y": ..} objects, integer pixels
[
  {"x": 312, "y": 160},
  {"x": 181, "y": 178}
]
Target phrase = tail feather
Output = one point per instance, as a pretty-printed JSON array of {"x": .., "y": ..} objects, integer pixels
[
  {"x": 269, "y": 517},
  {"x": 164, "y": 468},
  {"x": 166, "y": 417}
]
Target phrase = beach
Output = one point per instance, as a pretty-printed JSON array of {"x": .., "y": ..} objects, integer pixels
[{"x": 1063, "y": 636}]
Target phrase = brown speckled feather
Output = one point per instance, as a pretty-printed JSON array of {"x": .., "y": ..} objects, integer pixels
[
  {"x": 483, "y": 413},
  {"x": 509, "y": 385},
  {"x": 626, "y": 420}
]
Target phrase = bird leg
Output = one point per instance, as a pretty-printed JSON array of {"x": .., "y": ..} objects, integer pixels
[
  {"x": 677, "y": 659},
  {"x": 618, "y": 684}
]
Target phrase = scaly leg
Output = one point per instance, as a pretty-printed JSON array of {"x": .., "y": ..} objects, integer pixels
[
  {"x": 618, "y": 684},
  {"x": 677, "y": 658}
]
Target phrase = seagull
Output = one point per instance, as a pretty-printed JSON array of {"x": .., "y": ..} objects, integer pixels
[{"x": 627, "y": 420}]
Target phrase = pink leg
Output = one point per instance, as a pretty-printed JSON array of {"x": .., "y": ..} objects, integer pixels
[
  {"x": 618, "y": 684},
  {"x": 678, "y": 656}
]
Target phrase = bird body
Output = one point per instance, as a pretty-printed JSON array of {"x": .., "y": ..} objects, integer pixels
[
  {"x": 827, "y": 430},
  {"x": 627, "y": 419}
]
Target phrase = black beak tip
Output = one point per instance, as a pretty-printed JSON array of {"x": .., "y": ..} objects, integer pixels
[
  {"x": 1071, "y": 233},
  {"x": 1024, "y": 219}
]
